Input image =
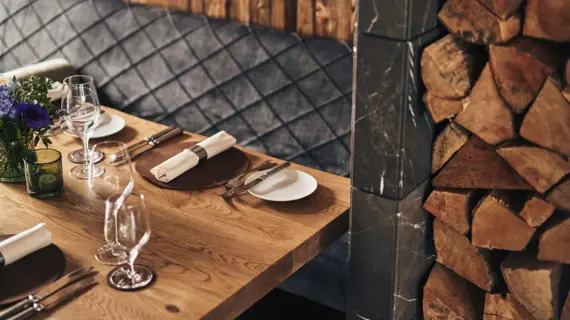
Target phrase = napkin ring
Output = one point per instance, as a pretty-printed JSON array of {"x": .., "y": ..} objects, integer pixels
[{"x": 200, "y": 152}]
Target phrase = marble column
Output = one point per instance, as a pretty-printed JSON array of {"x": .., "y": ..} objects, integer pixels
[{"x": 391, "y": 247}]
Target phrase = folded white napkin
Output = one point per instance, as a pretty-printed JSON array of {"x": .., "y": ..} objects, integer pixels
[
  {"x": 187, "y": 159},
  {"x": 24, "y": 243}
]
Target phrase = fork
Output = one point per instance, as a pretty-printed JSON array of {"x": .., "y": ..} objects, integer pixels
[{"x": 262, "y": 166}]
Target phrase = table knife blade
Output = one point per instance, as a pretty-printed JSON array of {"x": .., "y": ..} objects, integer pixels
[
  {"x": 157, "y": 141},
  {"x": 146, "y": 140},
  {"x": 55, "y": 299},
  {"x": 256, "y": 181},
  {"x": 45, "y": 292}
]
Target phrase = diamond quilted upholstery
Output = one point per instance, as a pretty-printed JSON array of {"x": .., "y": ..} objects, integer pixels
[{"x": 275, "y": 92}]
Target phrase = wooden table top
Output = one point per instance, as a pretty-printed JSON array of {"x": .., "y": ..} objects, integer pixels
[{"x": 213, "y": 259}]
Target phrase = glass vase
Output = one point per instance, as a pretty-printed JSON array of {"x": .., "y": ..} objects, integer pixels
[{"x": 12, "y": 155}]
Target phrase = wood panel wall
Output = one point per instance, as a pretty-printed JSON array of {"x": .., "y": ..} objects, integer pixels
[{"x": 325, "y": 18}]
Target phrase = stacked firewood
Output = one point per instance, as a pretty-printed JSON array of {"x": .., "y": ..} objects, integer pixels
[{"x": 499, "y": 86}]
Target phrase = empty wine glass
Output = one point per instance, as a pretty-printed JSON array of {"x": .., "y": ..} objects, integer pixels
[
  {"x": 111, "y": 181},
  {"x": 82, "y": 117},
  {"x": 133, "y": 232},
  {"x": 78, "y": 82}
]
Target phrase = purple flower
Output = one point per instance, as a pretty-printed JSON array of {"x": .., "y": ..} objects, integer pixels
[
  {"x": 35, "y": 115},
  {"x": 6, "y": 100}
]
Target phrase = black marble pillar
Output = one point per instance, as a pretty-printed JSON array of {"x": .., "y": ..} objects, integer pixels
[{"x": 391, "y": 249}]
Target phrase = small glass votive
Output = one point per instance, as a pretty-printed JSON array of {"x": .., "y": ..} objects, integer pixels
[{"x": 44, "y": 173}]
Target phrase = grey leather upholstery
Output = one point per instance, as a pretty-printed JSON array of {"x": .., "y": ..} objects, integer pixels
[{"x": 274, "y": 91}]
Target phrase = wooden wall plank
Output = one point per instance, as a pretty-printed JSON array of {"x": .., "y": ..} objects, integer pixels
[
  {"x": 261, "y": 12},
  {"x": 215, "y": 8},
  {"x": 240, "y": 11},
  {"x": 333, "y": 18},
  {"x": 325, "y": 18},
  {"x": 305, "y": 17},
  {"x": 197, "y": 6}
]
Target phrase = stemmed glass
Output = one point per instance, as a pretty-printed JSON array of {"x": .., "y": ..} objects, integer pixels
[
  {"x": 112, "y": 181},
  {"x": 133, "y": 232},
  {"x": 78, "y": 82},
  {"x": 81, "y": 115}
]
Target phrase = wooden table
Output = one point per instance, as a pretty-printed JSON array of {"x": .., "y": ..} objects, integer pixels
[{"x": 213, "y": 259}]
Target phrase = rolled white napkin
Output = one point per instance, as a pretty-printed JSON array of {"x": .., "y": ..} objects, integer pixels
[
  {"x": 187, "y": 159},
  {"x": 24, "y": 243}
]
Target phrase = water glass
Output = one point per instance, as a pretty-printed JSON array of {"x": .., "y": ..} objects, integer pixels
[
  {"x": 44, "y": 173},
  {"x": 133, "y": 232},
  {"x": 82, "y": 117}
]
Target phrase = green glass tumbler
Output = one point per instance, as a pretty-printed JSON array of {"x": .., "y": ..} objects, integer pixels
[{"x": 44, "y": 173}]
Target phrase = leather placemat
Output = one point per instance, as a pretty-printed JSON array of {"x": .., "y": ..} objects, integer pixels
[
  {"x": 208, "y": 174},
  {"x": 30, "y": 273}
]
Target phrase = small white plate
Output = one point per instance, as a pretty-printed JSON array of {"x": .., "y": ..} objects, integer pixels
[
  {"x": 287, "y": 185},
  {"x": 108, "y": 125}
]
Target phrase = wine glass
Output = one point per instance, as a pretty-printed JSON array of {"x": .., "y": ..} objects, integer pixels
[
  {"x": 82, "y": 117},
  {"x": 78, "y": 82},
  {"x": 133, "y": 232},
  {"x": 111, "y": 181}
]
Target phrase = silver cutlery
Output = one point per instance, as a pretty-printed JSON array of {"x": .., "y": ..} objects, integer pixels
[
  {"x": 45, "y": 292},
  {"x": 240, "y": 189},
  {"x": 153, "y": 142},
  {"x": 55, "y": 299},
  {"x": 147, "y": 140},
  {"x": 263, "y": 166}
]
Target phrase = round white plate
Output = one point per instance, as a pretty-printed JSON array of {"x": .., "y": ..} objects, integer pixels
[
  {"x": 286, "y": 185},
  {"x": 108, "y": 125}
]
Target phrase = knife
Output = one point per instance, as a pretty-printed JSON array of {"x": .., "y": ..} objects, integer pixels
[
  {"x": 153, "y": 143},
  {"x": 146, "y": 140},
  {"x": 258, "y": 180},
  {"x": 55, "y": 299},
  {"x": 45, "y": 292}
]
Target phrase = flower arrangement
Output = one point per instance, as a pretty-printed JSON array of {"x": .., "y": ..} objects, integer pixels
[{"x": 25, "y": 116}]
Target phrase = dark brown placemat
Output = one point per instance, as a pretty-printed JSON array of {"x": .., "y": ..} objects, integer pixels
[
  {"x": 30, "y": 273},
  {"x": 208, "y": 174}
]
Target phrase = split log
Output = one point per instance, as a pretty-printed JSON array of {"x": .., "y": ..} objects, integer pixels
[
  {"x": 535, "y": 284},
  {"x": 503, "y": 8},
  {"x": 560, "y": 195},
  {"x": 447, "y": 143},
  {"x": 566, "y": 93},
  {"x": 504, "y": 307},
  {"x": 447, "y": 69},
  {"x": 554, "y": 242},
  {"x": 519, "y": 74},
  {"x": 539, "y": 167},
  {"x": 455, "y": 252},
  {"x": 441, "y": 108},
  {"x": 496, "y": 224},
  {"x": 486, "y": 114},
  {"x": 476, "y": 165},
  {"x": 547, "y": 121},
  {"x": 547, "y": 19},
  {"x": 473, "y": 22},
  {"x": 452, "y": 207},
  {"x": 536, "y": 211},
  {"x": 448, "y": 296}
]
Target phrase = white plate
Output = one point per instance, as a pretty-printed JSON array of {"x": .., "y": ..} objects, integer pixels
[
  {"x": 287, "y": 185},
  {"x": 108, "y": 125}
]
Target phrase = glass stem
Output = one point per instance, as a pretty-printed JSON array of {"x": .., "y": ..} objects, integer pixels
[
  {"x": 133, "y": 254},
  {"x": 86, "y": 149}
]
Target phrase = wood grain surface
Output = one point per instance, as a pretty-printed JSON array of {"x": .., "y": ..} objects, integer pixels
[
  {"x": 213, "y": 259},
  {"x": 324, "y": 18}
]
